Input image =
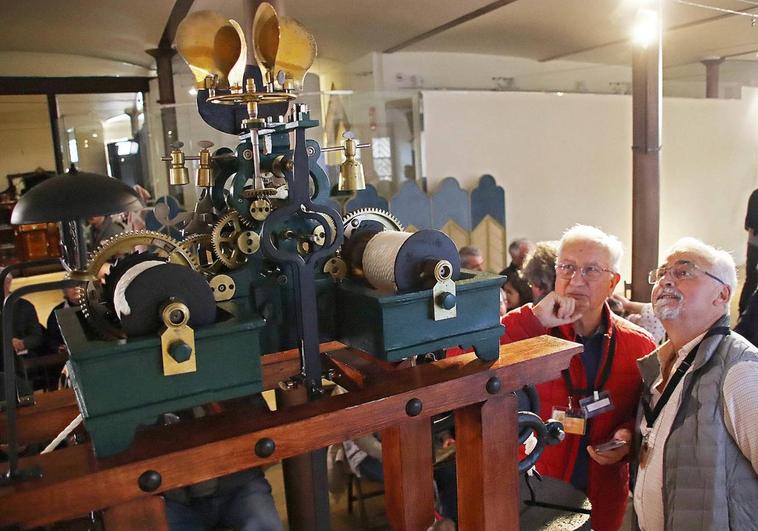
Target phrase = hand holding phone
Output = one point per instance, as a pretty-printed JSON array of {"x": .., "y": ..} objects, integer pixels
[{"x": 610, "y": 445}]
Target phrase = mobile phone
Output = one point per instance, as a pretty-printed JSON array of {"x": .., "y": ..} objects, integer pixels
[{"x": 610, "y": 445}]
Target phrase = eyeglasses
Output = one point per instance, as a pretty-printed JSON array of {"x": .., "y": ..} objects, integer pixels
[
  {"x": 590, "y": 273},
  {"x": 682, "y": 270}
]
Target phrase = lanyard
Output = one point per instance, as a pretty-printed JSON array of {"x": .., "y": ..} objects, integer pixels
[
  {"x": 572, "y": 391},
  {"x": 652, "y": 414}
]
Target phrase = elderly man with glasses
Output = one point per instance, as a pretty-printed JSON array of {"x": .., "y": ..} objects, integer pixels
[
  {"x": 597, "y": 396},
  {"x": 698, "y": 459}
]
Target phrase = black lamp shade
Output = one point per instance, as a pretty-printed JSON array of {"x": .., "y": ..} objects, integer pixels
[{"x": 75, "y": 196}]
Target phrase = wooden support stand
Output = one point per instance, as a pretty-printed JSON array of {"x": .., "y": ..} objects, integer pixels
[{"x": 75, "y": 482}]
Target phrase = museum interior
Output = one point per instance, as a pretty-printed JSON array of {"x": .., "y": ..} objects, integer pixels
[{"x": 379, "y": 265}]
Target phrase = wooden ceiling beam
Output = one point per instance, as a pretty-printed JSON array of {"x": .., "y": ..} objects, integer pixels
[
  {"x": 621, "y": 41},
  {"x": 73, "y": 85},
  {"x": 449, "y": 25}
]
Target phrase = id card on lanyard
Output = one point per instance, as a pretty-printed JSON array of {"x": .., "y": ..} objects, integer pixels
[{"x": 575, "y": 416}]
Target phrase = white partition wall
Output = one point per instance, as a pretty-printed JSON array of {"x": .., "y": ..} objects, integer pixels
[{"x": 566, "y": 159}]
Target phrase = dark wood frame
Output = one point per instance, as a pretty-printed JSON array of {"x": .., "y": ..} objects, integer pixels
[{"x": 76, "y": 483}]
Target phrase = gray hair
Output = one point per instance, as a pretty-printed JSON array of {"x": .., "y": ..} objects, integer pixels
[
  {"x": 469, "y": 251},
  {"x": 539, "y": 265},
  {"x": 587, "y": 233},
  {"x": 720, "y": 262}
]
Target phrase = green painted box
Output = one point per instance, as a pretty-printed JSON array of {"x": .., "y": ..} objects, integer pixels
[
  {"x": 395, "y": 327},
  {"x": 120, "y": 384}
]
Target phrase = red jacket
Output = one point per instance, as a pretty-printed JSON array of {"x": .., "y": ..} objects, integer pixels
[{"x": 608, "y": 486}]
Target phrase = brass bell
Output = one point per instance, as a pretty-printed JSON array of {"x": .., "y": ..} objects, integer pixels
[
  {"x": 204, "y": 168},
  {"x": 351, "y": 171},
  {"x": 177, "y": 173}
]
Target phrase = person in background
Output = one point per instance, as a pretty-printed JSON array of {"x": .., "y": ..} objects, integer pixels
[
  {"x": 641, "y": 314},
  {"x": 27, "y": 330},
  {"x": 747, "y": 326},
  {"x": 539, "y": 269},
  {"x": 751, "y": 264},
  {"x": 471, "y": 258},
  {"x": 517, "y": 291},
  {"x": 596, "y": 397},
  {"x": 698, "y": 459},
  {"x": 518, "y": 249},
  {"x": 103, "y": 228},
  {"x": 54, "y": 340}
]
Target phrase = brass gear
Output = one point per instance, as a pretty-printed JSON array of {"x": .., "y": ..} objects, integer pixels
[
  {"x": 92, "y": 303},
  {"x": 200, "y": 247},
  {"x": 126, "y": 242},
  {"x": 353, "y": 220},
  {"x": 224, "y": 237}
]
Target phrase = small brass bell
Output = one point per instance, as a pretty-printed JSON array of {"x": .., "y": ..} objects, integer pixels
[
  {"x": 351, "y": 171},
  {"x": 177, "y": 173}
]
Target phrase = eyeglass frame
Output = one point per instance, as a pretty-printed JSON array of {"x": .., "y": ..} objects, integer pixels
[
  {"x": 653, "y": 278},
  {"x": 581, "y": 270}
]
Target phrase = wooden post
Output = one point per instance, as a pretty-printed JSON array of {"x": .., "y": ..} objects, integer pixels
[
  {"x": 487, "y": 465},
  {"x": 305, "y": 483},
  {"x": 407, "y": 456},
  {"x": 141, "y": 513},
  {"x": 712, "y": 76},
  {"x": 646, "y": 127}
]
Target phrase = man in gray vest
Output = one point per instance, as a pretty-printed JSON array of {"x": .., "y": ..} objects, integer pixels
[{"x": 698, "y": 458}]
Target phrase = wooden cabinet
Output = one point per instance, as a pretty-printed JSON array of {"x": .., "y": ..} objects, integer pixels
[{"x": 37, "y": 241}]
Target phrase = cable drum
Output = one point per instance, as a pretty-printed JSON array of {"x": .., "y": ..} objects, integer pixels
[{"x": 399, "y": 261}]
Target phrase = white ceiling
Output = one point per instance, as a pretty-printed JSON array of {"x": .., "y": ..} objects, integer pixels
[{"x": 594, "y": 31}]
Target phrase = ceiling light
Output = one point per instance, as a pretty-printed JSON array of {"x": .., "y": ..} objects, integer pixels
[
  {"x": 192, "y": 91},
  {"x": 646, "y": 27}
]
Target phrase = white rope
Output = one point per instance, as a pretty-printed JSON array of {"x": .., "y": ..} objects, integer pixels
[
  {"x": 120, "y": 303},
  {"x": 62, "y": 435},
  {"x": 720, "y": 9},
  {"x": 379, "y": 259}
]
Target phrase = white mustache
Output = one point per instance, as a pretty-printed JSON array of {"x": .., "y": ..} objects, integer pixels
[{"x": 669, "y": 292}]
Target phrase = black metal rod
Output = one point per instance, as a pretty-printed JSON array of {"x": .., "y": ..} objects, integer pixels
[{"x": 52, "y": 109}]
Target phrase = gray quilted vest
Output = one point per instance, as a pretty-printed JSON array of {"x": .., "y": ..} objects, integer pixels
[{"x": 708, "y": 483}]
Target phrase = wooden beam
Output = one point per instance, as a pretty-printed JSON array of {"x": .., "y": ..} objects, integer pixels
[
  {"x": 52, "y": 110},
  {"x": 75, "y": 482},
  {"x": 178, "y": 12},
  {"x": 646, "y": 125},
  {"x": 73, "y": 85},
  {"x": 621, "y": 41},
  {"x": 449, "y": 25}
]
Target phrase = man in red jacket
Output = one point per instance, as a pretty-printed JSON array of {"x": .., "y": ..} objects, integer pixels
[{"x": 597, "y": 396}]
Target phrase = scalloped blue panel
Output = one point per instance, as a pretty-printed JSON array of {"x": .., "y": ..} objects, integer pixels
[
  {"x": 151, "y": 223},
  {"x": 450, "y": 202},
  {"x": 487, "y": 198},
  {"x": 368, "y": 198},
  {"x": 412, "y": 206}
]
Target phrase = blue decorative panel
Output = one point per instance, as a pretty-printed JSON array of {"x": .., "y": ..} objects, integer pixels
[
  {"x": 165, "y": 215},
  {"x": 449, "y": 202},
  {"x": 487, "y": 198},
  {"x": 368, "y": 198},
  {"x": 412, "y": 206}
]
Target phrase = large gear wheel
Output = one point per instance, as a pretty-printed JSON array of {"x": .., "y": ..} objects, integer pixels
[
  {"x": 95, "y": 308},
  {"x": 200, "y": 247},
  {"x": 354, "y": 219},
  {"x": 225, "y": 234},
  {"x": 124, "y": 243}
]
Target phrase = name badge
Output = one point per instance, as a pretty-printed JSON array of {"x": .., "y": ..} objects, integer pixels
[
  {"x": 592, "y": 406},
  {"x": 573, "y": 420}
]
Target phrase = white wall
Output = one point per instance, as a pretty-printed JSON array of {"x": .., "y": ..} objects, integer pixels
[{"x": 567, "y": 159}]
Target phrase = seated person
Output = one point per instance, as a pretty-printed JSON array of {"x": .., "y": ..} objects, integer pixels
[
  {"x": 748, "y": 323},
  {"x": 54, "y": 340},
  {"x": 27, "y": 331},
  {"x": 539, "y": 269},
  {"x": 471, "y": 258},
  {"x": 516, "y": 289},
  {"x": 241, "y": 501}
]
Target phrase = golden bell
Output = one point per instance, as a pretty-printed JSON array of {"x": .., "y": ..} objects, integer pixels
[
  {"x": 351, "y": 171},
  {"x": 282, "y": 47},
  {"x": 210, "y": 46},
  {"x": 178, "y": 176}
]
